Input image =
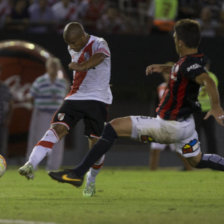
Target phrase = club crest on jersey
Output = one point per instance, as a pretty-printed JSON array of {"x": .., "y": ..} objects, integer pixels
[
  {"x": 146, "y": 138},
  {"x": 61, "y": 116},
  {"x": 86, "y": 55},
  {"x": 190, "y": 147}
]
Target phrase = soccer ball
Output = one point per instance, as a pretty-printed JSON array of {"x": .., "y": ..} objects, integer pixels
[{"x": 2, "y": 165}]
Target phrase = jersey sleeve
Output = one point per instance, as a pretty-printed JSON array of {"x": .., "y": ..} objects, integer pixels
[
  {"x": 192, "y": 68},
  {"x": 101, "y": 46}
]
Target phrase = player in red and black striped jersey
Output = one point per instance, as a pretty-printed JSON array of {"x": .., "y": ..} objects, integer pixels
[
  {"x": 174, "y": 122},
  {"x": 180, "y": 98}
]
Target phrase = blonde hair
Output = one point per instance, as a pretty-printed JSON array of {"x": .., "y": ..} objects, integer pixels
[{"x": 53, "y": 60}]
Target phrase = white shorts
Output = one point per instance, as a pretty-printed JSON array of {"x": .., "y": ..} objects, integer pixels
[
  {"x": 161, "y": 147},
  {"x": 181, "y": 133}
]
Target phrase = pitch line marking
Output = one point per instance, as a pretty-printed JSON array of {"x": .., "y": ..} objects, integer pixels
[{"x": 15, "y": 221}]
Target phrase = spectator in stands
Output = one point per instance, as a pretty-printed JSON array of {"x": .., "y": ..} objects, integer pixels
[
  {"x": 65, "y": 11},
  {"x": 18, "y": 18},
  {"x": 207, "y": 23},
  {"x": 94, "y": 11},
  {"x": 214, "y": 5},
  {"x": 5, "y": 115},
  {"x": 41, "y": 17},
  {"x": 189, "y": 9},
  {"x": 162, "y": 15},
  {"x": 220, "y": 30},
  {"x": 112, "y": 22},
  {"x": 5, "y": 10},
  {"x": 48, "y": 92}
]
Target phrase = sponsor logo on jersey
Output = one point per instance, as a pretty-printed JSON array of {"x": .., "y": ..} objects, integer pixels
[
  {"x": 61, "y": 116},
  {"x": 190, "y": 147},
  {"x": 193, "y": 67}
]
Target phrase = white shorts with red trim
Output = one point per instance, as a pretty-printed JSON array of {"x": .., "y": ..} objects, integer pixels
[{"x": 181, "y": 133}]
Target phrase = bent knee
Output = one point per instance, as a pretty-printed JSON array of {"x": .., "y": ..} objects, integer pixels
[
  {"x": 60, "y": 129},
  {"x": 194, "y": 160},
  {"x": 122, "y": 126}
]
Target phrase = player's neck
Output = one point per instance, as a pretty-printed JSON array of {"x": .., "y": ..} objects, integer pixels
[{"x": 188, "y": 51}]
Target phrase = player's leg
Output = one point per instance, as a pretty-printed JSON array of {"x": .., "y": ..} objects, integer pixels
[
  {"x": 55, "y": 156},
  {"x": 89, "y": 189},
  {"x": 61, "y": 122},
  {"x": 121, "y": 127},
  {"x": 212, "y": 161},
  {"x": 42, "y": 148},
  {"x": 155, "y": 149},
  {"x": 189, "y": 147}
]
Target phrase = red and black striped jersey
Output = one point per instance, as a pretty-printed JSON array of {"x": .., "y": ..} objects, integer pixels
[{"x": 180, "y": 97}]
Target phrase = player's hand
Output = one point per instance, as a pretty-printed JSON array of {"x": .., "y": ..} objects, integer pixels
[
  {"x": 154, "y": 68},
  {"x": 77, "y": 67},
  {"x": 217, "y": 113}
]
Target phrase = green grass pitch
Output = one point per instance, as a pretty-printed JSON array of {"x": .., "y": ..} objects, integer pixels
[{"x": 124, "y": 196}]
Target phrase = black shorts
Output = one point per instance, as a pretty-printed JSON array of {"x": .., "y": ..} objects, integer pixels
[{"x": 93, "y": 112}]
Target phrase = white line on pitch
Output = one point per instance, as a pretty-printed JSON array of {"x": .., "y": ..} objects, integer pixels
[{"x": 14, "y": 221}]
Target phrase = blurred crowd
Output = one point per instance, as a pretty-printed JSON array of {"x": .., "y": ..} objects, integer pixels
[{"x": 111, "y": 16}]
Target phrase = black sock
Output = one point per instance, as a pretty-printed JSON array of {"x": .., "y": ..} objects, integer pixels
[
  {"x": 212, "y": 161},
  {"x": 101, "y": 147}
]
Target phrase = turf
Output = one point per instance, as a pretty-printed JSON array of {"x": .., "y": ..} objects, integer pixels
[{"x": 124, "y": 196}]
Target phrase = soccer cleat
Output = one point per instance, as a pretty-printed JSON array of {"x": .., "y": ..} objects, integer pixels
[
  {"x": 67, "y": 176},
  {"x": 27, "y": 171},
  {"x": 89, "y": 190}
]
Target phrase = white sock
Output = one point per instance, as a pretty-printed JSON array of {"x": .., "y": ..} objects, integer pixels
[
  {"x": 43, "y": 147},
  {"x": 94, "y": 170}
]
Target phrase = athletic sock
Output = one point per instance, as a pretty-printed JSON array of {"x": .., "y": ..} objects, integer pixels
[
  {"x": 94, "y": 170},
  {"x": 212, "y": 161},
  {"x": 101, "y": 147},
  {"x": 43, "y": 147}
]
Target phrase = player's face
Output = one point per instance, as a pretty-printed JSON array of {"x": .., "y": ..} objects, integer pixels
[{"x": 75, "y": 43}]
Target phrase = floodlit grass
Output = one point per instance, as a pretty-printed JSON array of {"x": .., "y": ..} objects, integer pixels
[{"x": 124, "y": 196}]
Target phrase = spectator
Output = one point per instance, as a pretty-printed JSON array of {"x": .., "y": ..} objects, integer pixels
[
  {"x": 65, "y": 11},
  {"x": 162, "y": 15},
  {"x": 94, "y": 11},
  {"x": 48, "y": 92},
  {"x": 220, "y": 30},
  {"x": 5, "y": 115},
  {"x": 111, "y": 22},
  {"x": 208, "y": 25},
  {"x": 41, "y": 16},
  {"x": 4, "y": 11},
  {"x": 18, "y": 18},
  {"x": 189, "y": 9}
]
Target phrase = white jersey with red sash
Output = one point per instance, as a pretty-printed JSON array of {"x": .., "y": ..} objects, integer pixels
[{"x": 94, "y": 83}]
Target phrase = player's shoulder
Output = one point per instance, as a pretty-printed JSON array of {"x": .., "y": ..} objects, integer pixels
[
  {"x": 97, "y": 39},
  {"x": 41, "y": 79},
  {"x": 192, "y": 62}
]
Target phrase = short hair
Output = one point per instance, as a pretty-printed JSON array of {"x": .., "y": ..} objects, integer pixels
[
  {"x": 53, "y": 60},
  {"x": 188, "y": 31}
]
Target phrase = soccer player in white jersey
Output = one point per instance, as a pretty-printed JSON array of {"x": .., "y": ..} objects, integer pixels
[{"x": 88, "y": 99}]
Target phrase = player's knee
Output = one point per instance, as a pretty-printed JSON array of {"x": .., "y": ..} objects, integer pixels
[
  {"x": 193, "y": 161},
  {"x": 116, "y": 124},
  {"x": 60, "y": 129}
]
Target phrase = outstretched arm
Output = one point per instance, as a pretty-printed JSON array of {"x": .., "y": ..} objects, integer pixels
[
  {"x": 158, "y": 68},
  {"x": 211, "y": 89},
  {"x": 93, "y": 61}
]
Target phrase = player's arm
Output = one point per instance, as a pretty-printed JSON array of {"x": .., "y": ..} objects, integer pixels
[
  {"x": 211, "y": 89},
  {"x": 93, "y": 61},
  {"x": 158, "y": 68}
]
